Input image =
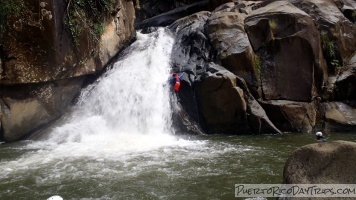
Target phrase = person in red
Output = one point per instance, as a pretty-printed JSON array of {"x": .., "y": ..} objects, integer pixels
[{"x": 176, "y": 82}]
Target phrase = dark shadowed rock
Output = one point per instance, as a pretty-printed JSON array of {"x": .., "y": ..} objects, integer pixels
[
  {"x": 258, "y": 120},
  {"x": 168, "y": 18},
  {"x": 288, "y": 47},
  {"x": 191, "y": 50},
  {"x": 348, "y": 8},
  {"x": 182, "y": 120},
  {"x": 291, "y": 116},
  {"x": 322, "y": 163},
  {"x": 149, "y": 9},
  {"x": 221, "y": 102},
  {"x": 190, "y": 55},
  {"x": 344, "y": 86},
  {"x": 215, "y": 3}
]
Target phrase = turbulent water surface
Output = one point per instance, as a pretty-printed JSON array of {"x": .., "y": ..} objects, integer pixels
[{"x": 119, "y": 143}]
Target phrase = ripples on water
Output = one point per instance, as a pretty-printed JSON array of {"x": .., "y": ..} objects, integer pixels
[{"x": 195, "y": 167}]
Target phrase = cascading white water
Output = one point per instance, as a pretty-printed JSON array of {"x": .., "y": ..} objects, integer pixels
[{"x": 129, "y": 106}]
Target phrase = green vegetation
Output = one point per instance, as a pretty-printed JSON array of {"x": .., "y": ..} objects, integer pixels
[
  {"x": 329, "y": 50},
  {"x": 258, "y": 64},
  {"x": 87, "y": 17},
  {"x": 9, "y": 9},
  {"x": 272, "y": 24}
]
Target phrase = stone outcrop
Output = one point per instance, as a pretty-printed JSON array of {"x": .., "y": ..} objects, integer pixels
[
  {"x": 277, "y": 53},
  {"x": 44, "y": 59},
  {"x": 322, "y": 163}
]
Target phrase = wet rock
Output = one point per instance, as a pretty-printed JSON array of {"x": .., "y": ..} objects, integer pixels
[
  {"x": 190, "y": 55},
  {"x": 192, "y": 49},
  {"x": 322, "y": 163}
]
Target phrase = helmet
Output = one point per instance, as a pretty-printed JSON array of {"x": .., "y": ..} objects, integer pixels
[{"x": 319, "y": 134}]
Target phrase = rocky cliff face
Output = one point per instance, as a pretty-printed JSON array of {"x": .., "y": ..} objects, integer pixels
[
  {"x": 47, "y": 49},
  {"x": 269, "y": 66}
]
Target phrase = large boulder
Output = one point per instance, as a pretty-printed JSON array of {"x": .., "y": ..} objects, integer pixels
[
  {"x": 322, "y": 163},
  {"x": 289, "y": 51},
  {"x": 227, "y": 34}
]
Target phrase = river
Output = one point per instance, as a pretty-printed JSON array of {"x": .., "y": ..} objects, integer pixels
[{"x": 118, "y": 143}]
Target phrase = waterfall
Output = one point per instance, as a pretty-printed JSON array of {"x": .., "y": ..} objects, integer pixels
[{"x": 128, "y": 107}]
